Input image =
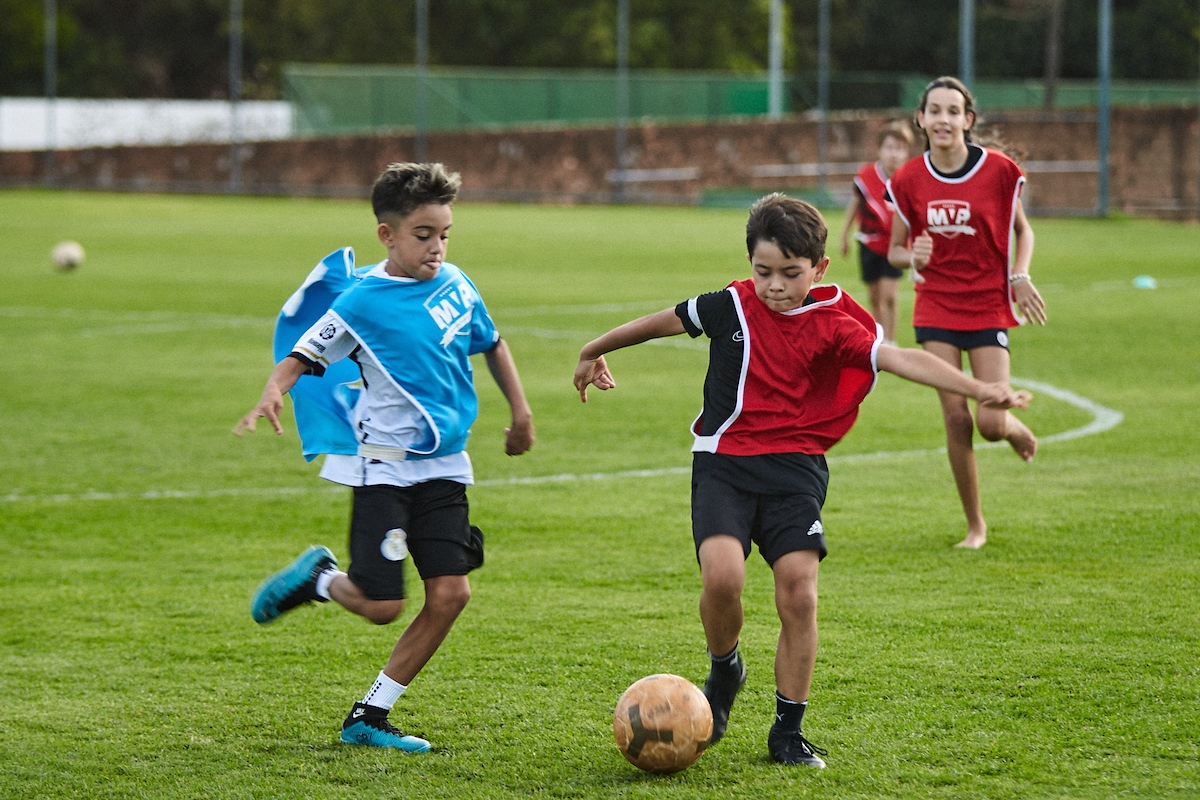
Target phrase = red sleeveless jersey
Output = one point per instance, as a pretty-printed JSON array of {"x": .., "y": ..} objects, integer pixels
[
  {"x": 781, "y": 382},
  {"x": 971, "y": 221},
  {"x": 875, "y": 210}
]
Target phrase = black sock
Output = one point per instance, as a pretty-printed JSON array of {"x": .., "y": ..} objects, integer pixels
[
  {"x": 725, "y": 662},
  {"x": 788, "y": 713}
]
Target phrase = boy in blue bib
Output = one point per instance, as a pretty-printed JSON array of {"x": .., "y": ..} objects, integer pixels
[{"x": 410, "y": 323}]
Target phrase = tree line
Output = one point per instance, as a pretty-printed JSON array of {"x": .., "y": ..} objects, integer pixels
[{"x": 179, "y": 48}]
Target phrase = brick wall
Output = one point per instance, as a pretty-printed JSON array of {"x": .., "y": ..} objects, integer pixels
[{"x": 1153, "y": 159}]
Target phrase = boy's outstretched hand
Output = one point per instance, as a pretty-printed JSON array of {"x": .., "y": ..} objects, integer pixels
[
  {"x": 281, "y": 381},
  {"x": 592, "y": 371},
  {"x": 268, "y": 407},
  {"x": 1001, "y": 395}
]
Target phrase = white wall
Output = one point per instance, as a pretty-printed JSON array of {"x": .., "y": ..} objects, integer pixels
[{"x": 25, "y": 122}]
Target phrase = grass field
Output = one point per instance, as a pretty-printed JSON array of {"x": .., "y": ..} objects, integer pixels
[{"x": 1061, "y": 661}]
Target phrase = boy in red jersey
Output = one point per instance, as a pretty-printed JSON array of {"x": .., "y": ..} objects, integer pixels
[
  {"x": 789, "y": 365},
  {"x": 960, "y": 204},
  {"x": 872, "y": 209}
]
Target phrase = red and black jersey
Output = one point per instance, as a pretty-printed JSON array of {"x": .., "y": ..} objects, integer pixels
[
  {"x": 780, "y": 382},
  {"x": 970, "y": 218},
  {"x": 875, "y": 209}
]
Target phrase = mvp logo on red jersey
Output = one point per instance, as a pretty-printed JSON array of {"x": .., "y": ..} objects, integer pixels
[{"x": 949, "y": 218}]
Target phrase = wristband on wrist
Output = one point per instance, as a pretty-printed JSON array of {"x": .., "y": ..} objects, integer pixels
[{"x": 1017, "y": 277}]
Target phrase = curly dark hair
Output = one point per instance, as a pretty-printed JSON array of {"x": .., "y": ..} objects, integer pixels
[{"x": 401, "y": 188}]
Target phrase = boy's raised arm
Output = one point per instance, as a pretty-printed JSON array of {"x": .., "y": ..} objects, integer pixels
[
  {"x": 592, "y": 369},
  {"x": 922, "y": 367},
  {"x": 519, "y": 437}
]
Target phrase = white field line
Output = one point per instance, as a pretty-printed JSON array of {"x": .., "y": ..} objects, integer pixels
[
  {"x": 108, "y": 323},
  {"x": 165, "y": 494},
  {"x": 1103, "y": 419}
]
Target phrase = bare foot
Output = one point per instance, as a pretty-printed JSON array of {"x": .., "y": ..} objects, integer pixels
[
  {"x": 976, "y": 538},
  {"x": 1021, "y": 438}
]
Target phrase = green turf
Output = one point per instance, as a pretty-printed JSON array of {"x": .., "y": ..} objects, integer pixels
[{"x": 1061, "y": 661}]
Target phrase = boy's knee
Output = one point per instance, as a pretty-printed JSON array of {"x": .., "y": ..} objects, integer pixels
[
  {"x": 381, "y": 612},
  {"x": 802, "y": 596},
  {"x": 723, "y": 586},
  {"x": 723, "y": 579},
  {"x": 797, "y": 601},
  {"x": 796, "y": 582},
  {"x": 722, "y": 566},
  {"x": 448, "y": 596}
]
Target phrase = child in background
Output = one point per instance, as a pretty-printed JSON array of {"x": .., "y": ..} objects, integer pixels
[
  {"x": 871, "y": 208},
  {"x": 958, "y": 207}
]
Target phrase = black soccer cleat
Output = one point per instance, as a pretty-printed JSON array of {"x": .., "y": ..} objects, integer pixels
[
  {"x": 792, "y": 749},
  {"x": 721, "y": 689}
]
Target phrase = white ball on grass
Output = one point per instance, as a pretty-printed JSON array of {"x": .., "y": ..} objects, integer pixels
[{"x": 67, "y": 255}]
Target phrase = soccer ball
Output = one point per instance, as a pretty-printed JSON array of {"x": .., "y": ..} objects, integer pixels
[
  {"x": 663, "y": 723},
  {"x": 67, "y": 255}
]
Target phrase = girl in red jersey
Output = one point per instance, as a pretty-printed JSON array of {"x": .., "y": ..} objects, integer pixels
[
  {"x": 872, "y": 209},
  {"x": 959, "y": 205}
]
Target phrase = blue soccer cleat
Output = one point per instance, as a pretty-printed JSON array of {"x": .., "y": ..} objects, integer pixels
[
  {"x": 368, "y": 725},
  {"x": 294, "y": 585}
]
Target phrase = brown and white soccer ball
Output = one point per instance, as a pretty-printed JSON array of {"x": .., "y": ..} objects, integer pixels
[
  {"x": 67, "y": 255},
  {"x": 663, "y": 723}
]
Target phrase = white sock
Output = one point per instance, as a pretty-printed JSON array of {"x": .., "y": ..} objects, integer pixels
[
  {"x": 384, "y": 693},
  {"x": 323, "y": 581}
]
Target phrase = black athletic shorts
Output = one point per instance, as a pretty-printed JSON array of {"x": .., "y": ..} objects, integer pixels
[
  {"x": 965, "y": 340},
  {"x": 778, "y": 523},
  {"x": 875, "y": 266},
  {"x": 427, "y": 521}
]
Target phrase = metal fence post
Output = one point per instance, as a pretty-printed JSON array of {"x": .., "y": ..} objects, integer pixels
[
  {"x": 823, "y": 14},
  {"x": 966, "y": 42},
  {"x": 422, "y": 98},
  {"x": 1103, "y": 110},
  {"x": 235, "y": 96},
  {"x": 50, "y": 66},
  {"x": 775, "y": 62},
  {"x": 622, "y": 97}
]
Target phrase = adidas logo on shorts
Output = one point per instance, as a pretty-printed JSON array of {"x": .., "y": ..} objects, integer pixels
[{"x": 816, "y": 528}]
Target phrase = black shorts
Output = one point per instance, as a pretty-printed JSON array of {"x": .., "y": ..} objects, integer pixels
[
  {"x": 778, "y": 523},
  {"x": 875, "y": 266},
  {"x": 965, "y": 340},
  {"x": 428, "y": 521}
]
